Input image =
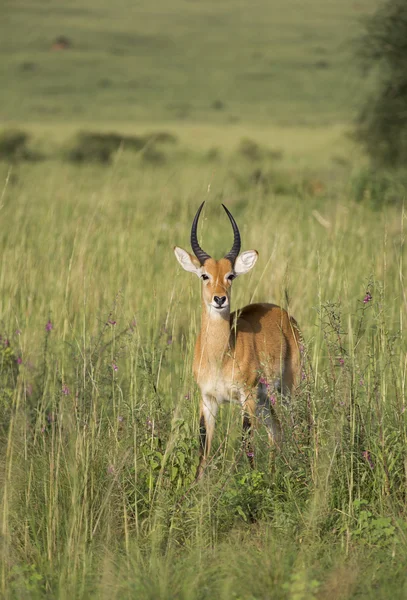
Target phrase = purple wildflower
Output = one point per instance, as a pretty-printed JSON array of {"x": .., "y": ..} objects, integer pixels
[
  {"x": 303, "y": 375},
  {"x": 49, "y": 326},
  {"x": 367, "y": 298},
  {"x": 341, "y": 361},
  {"x": 115, "y": 367},
  {"x": 19, "y": 360},
  {"x": 111, "y": 322},
  {"x": 65, "y": 390},
  {"x": 18, "y": 331},
  {"x": 6, "y": 343},
  {"x": 187, "y": 396},
  {"x": 273, "y": 399},
  {"x": 250, "y": 454},
  {"x": 368, "y": 458},
  {"x": 361, "y": 382}
]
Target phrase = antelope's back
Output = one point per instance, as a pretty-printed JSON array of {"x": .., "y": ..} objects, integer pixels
[{"x": 275, "y": 337}]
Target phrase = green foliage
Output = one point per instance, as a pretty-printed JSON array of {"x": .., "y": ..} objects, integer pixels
[
  {"x": 249, "y": 497},
  {"x": 379, "y": 187},
  {"x": 99, "y": 147},
  {"x": 99, "y": 443},
  {"x": 379, "y": 532},
  {"x": 252, "y": 151},
  {"x": 14, "y": 146},
  {"x": 382, "y": 122},
  {"x": 8, "y": 379}
]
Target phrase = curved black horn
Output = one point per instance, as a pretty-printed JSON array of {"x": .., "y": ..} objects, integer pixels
[
  {"x": 199, "y": 253},
  {"x": 232, "y": 254}
]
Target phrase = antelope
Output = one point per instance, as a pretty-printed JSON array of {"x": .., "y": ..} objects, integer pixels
[{"x": 240, "y": 355}]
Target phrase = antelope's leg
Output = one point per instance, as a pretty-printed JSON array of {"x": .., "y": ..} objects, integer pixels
[
  {"x": 267, "y": 415},
  {"x": 207, "y": 415},
  {"x": 249, "y": 417}
]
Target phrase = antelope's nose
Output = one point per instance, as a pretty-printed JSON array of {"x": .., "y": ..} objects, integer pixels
[{"x": 220, "y": 301}]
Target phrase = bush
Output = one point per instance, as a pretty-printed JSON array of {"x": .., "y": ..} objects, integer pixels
[
  {"x": 13, "y": 146},
  {"x": 379, "y": 187},
  {"x": 99, "y": 147},
  {"x": 252, "y": 151}
]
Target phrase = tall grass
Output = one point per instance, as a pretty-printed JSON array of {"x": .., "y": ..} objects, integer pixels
[{"x": 99, "y": 420}]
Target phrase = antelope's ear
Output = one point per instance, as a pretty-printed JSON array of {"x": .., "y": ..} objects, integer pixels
[
  {"x": 245, "y": 262},
  {"x": 187, "y": 261}
]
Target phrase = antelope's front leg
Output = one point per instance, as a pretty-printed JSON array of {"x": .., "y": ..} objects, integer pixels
[
  {"x": 207, "y": 415},
  {"x": 249, "y": 416}
]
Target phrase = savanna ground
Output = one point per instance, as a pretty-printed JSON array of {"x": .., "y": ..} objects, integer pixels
[{"x": 99, "y": 411}]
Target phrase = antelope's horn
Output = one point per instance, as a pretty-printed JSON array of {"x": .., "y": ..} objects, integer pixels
[
  {"x": 233, "y": 253},
  {"x": 197, "y": 250}
]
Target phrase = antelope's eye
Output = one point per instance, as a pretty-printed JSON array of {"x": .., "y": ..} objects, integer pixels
[
  {"x": 204, "y": 277},
  {"x": 231, "y": 277}
]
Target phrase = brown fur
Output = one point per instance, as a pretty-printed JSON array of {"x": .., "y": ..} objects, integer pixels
[{"x": 234, "y": 351}]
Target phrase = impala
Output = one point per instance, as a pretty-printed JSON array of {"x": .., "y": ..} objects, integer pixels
[{"x": 241, "y": 356}]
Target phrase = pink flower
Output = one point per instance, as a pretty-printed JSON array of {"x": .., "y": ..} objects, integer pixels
[
  {"x": 341, "y": 361},
  {"x": 367, "y": 298},
  {"x": 368, "y": 458},
  {"x": 19, "y": 360},
  {"x": 65, "y": 390},
  {"x": 49, "y": 326},
  {"x": 111, "y": 322},
  {"x": 115, "y": 367},
  {"x": 273, "y": 399}
]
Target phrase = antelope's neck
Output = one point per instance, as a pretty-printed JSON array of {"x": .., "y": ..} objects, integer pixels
[{"x": 214, "y": 336}]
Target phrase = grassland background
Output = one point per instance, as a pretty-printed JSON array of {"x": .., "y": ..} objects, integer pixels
[{"x": 99, "y": 412}]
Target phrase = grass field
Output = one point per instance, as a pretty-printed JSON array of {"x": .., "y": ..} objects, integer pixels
[
  {"x": 98, "y": 408},
  {"x": 278, "y": 61}
]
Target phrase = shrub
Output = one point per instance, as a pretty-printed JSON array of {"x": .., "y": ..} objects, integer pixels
[
  {"x": 99, "y": 147},
  {"x": 379, "y": 187},
  {"x": 254, "y": 152},
  {"x": 13, "y": 145}
]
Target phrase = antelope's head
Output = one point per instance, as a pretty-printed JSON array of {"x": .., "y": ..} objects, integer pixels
[{"x": 216, "y": 275}]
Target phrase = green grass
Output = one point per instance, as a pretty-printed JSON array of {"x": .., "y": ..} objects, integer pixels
[
  {"x": 262, "y": 61},
  {"x": 98, "y": 408},
  {"x": 97, "y": 494}
]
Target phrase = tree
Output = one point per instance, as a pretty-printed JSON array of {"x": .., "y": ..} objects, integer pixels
[{"x": 382, "y": 122}]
